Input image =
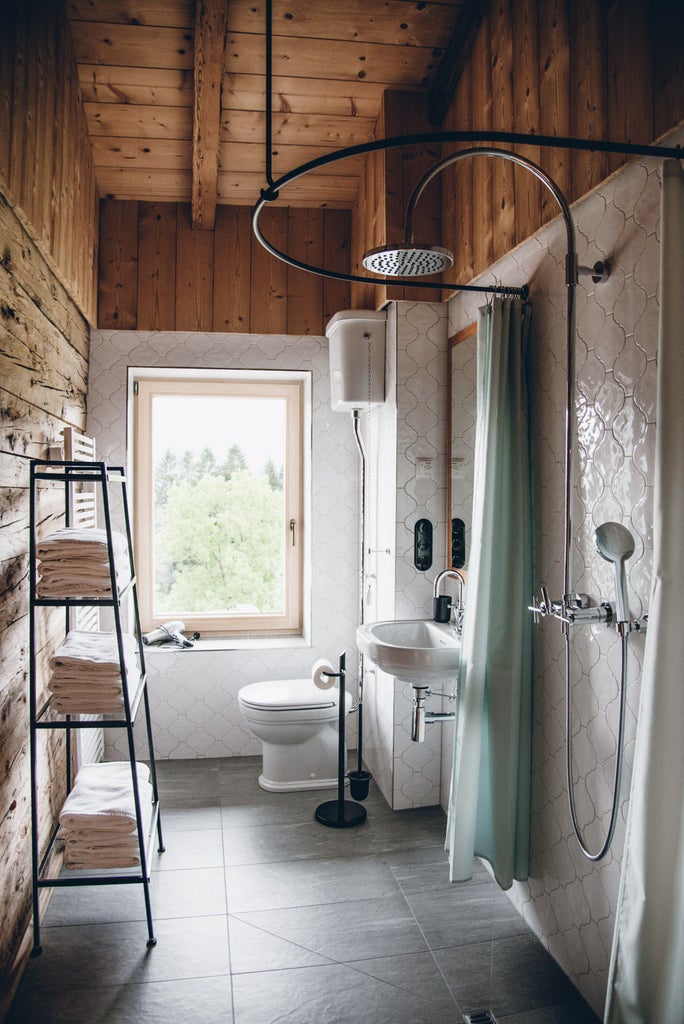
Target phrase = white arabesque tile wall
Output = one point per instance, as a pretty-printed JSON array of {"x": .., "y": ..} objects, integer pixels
[
  {"x": 194, "y": 693},
  {"x": 421, "y": 442},
  {"x": 569, "y": 901},
  {"x": 403, "y": 437}
]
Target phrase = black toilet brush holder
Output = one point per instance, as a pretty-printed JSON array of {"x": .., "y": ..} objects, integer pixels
[
  {"x": 341, "y": 813},
  {"x": 359, "y": 784}
]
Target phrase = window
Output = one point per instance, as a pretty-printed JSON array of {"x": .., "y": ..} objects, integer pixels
[{"x": 218, "y": 500}]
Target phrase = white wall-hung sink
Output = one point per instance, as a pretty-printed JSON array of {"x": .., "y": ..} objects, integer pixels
[{"x": 417, "y": 651}]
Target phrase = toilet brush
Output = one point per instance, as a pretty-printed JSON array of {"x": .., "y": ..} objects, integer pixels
[{"x": 359, "y": 781}]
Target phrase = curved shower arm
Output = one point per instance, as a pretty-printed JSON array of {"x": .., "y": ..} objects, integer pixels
[
  {"x": 570, "y": 281},
  {"x": 549, "y": 183}
]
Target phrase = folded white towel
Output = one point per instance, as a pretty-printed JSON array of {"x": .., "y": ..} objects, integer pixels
[
  {"x": 102, "y": 797},
  {"x": 78, "y": 542},
  {"x": 97, "y": 649},
  {"x": 87, "y": 666},
  {"x": 83, "y": 851}
]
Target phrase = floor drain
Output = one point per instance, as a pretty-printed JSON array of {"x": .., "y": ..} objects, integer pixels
[{"x": 479, "y": 1017}]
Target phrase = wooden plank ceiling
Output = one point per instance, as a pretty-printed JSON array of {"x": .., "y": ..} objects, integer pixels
[{"x": 150, "y": 72}]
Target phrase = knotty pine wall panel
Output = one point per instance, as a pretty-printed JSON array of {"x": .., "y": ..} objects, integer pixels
[
  {"x": 46, "y": 165},
  {"x": 156, "y": 273},
  {"x": 569, "y": 68}
]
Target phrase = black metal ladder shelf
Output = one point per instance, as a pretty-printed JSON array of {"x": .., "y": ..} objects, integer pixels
[{"x": 99, "y": 477}]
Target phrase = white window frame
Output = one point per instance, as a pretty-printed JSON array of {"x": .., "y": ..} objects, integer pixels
[{"x": 144, "y": 384}]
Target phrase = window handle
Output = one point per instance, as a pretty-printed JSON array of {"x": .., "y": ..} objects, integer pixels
[{"x": 293, "y": 531}]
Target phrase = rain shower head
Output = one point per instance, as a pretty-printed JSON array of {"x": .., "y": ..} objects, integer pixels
[
  {"x": 615, "y": 543},
  {"x": 408, "y": 260}
]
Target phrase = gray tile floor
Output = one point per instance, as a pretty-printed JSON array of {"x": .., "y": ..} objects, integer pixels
[{"x": 263, "y": 915}]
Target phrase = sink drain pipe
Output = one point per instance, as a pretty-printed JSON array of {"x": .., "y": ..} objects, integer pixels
[{"x": 422, "y": 717}]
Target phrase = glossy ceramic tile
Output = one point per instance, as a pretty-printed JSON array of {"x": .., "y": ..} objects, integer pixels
[{"x": 567, "y": 901}]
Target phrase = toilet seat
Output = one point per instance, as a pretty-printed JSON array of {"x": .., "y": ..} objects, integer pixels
[
  {"x": 298, "y": 725},
  {"x": 287, "y": 695}
]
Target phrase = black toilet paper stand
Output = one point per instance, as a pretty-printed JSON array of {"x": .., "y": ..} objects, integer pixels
[{"x": 341, "y": 813}]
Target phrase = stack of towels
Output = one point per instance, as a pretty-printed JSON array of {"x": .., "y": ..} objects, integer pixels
[
  {"x": 86, "y": 673},
  {"x": 74, "y": 562},
  {"x": 98, "y": 822}
]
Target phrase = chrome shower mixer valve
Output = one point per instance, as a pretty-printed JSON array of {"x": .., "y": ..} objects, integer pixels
[{"x": 574, "y": 609}]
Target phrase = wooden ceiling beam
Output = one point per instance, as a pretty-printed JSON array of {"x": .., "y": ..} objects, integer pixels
[
  {"x": 454, "y": 59},
  {"x": 210, "y": 45}
]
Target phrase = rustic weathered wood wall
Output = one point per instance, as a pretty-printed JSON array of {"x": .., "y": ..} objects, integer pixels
[
  {"x": 606, "y": 70},
  {"x": 156, "y": 273},
  {"x": 48, "y": 235}
]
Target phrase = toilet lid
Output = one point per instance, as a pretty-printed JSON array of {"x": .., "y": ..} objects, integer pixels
[{"x": 288, "y": 694}]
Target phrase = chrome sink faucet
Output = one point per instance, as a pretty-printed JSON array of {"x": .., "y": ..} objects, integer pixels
[{"x": 457, "y": 609}]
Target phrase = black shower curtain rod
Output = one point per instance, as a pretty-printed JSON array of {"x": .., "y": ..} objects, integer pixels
[
  {"x": 428, "y": 138},
  {"x": 272, "y": 192}
]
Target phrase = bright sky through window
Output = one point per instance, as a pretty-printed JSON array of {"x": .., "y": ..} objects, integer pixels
[{"x": 188, "y": 423}]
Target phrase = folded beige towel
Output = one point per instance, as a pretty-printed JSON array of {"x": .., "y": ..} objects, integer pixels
[
  {"x": 102, "y": 688},
  {"x": 74, "y": 562},
  {"x": 76, "y": 861},
  {"x": 89, "y": 841},
  {"x": 65, "y": 580},
  {"x": 88, "y": 705},
  {"x": 78, "y": 542},
  {"x": 102, "y": 798}
]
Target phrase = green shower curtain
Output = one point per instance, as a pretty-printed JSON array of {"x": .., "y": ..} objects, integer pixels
[{"x": 489, "y": 807}]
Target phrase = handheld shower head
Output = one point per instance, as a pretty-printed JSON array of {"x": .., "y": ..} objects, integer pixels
[
  {"x": 615, "y": 543},
  {"x": 408, "y": 260}
]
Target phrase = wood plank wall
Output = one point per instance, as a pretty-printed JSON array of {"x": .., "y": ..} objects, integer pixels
[
  {"x": 156, "y": 273},
  {"x": 567, "y": 67},
  {"x": 46, "y": 164},
  {"x": 48, "y": 233}
]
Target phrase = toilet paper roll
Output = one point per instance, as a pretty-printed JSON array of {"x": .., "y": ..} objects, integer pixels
[{"x": 320, "y": 674}]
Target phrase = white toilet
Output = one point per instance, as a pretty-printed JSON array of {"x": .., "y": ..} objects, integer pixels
[{"x": 298, "y": 725}]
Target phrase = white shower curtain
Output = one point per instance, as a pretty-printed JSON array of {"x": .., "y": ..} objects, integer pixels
[
  {"x": 646, "y": 982},
  {"x": 489, "y": 806}
]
